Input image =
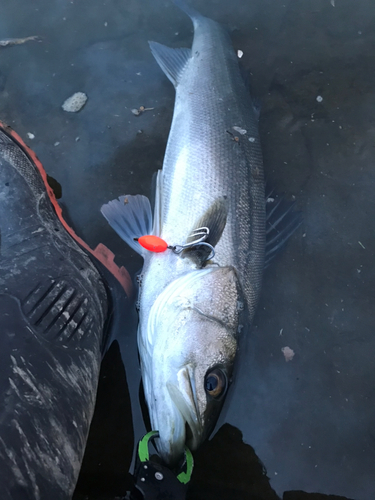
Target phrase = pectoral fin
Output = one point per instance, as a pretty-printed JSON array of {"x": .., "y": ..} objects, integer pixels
[{"x": 215, "y": 219}]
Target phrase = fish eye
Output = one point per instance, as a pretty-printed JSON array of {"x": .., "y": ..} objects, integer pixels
[{"x": 215, "y": 383}]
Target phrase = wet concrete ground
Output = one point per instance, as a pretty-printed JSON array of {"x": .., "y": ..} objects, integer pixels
[{"x": 310, "y": 421}]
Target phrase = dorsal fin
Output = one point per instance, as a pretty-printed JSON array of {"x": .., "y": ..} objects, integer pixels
[{"x": 281, "y": 222}]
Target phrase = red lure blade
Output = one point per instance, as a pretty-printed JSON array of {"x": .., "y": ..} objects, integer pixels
[{"x": 153, "y": 243}]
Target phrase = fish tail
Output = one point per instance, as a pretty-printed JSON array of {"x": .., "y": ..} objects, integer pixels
[{"x": 190, "y": 11}]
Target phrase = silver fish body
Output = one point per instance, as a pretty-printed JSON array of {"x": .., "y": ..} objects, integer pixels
[
  {"x": 206, "y": 159},
  {"x": 191, "y": 311}
]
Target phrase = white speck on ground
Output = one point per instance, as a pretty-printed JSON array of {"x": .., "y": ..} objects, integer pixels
[
  {"x": 240, "y": 130},
  {"x": 30, "y": 135},
  {"x": 288, "y": 353},
  {"x": 239, "y": 54},
  {"x": 319, "y": 98}
]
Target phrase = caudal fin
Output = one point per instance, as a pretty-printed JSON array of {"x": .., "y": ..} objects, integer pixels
[{"x": 190, "y": 11}]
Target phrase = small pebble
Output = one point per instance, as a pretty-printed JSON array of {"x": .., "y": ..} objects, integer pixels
[
  {"x": 319, "y": 98},
  {"x": 56, "y": 143},
  {"x": 75, "y": 102},
  {"x": 30, "y": 135},
  {"x": 77, "y": 139},
  {"x": 239, "y": 54}
]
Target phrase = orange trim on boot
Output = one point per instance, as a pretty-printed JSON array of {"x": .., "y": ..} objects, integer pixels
[{"x": 101, "y": 252}]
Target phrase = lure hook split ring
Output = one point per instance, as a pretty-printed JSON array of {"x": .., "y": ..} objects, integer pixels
[{"x": 203, "y": 233}]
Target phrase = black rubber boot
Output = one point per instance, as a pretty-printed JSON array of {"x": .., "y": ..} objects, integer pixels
[{"x": 54, "y": 305}]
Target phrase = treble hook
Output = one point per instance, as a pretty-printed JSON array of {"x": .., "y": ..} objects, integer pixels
[{"x": 202, "y": 234}]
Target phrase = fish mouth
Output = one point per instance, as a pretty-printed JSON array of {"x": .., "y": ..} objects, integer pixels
[{"x": 184, "y": 397}]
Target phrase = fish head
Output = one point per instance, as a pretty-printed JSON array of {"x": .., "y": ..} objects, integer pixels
[{"x": 193, "y": 327}]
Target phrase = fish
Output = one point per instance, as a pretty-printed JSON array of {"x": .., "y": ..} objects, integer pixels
[
  {"x": 198, "y": 297},
  {"x": 8, "y": 42}
]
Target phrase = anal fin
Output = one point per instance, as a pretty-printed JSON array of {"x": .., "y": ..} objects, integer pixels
[{"x": 172, "y": 61}]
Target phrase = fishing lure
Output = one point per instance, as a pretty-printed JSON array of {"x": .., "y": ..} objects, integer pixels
[{"x": 158, "y": 245}]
